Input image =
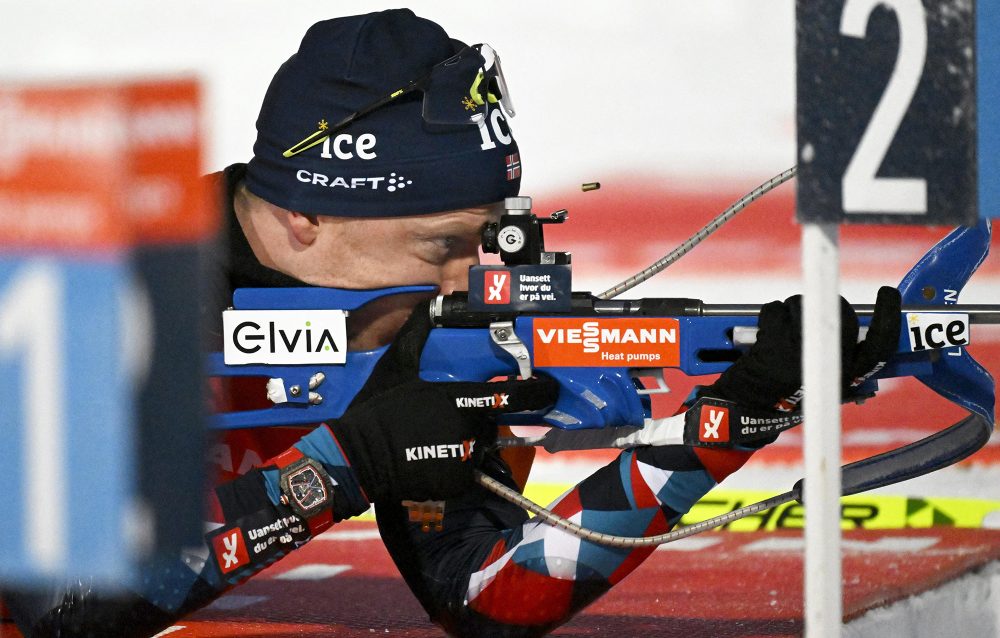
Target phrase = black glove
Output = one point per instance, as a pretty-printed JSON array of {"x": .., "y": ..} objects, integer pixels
[
  {"x": 880, "y": 343},
  {"x": 407, "y": 438},
  {"x": 769, "y": 376}
]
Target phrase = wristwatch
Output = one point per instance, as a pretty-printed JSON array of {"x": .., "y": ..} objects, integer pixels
[{"x": 306, "y": 487}]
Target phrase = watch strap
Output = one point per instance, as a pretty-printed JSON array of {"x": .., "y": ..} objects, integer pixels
[{"x": 349, "y": 499}]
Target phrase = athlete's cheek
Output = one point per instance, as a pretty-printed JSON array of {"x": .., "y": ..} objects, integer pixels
[{"x": 455, "y": 273}]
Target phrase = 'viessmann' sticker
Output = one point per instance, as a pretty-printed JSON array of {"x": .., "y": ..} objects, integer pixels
[
  {"x": 585, "y": 342},
  {"x": 284, "y": 336}
]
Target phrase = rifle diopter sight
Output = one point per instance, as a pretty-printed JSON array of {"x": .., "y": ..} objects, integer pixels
[
  {"x": 518, "y": 236},
  {"x": 530, "y": 278}
]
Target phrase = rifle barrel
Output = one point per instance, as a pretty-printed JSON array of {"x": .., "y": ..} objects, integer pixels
[
  {"x": 453, "y": 310},
  {"x": 978, "y": 313}
]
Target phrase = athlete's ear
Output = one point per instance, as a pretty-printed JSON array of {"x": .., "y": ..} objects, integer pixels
[{"x": 304, "y": 227}]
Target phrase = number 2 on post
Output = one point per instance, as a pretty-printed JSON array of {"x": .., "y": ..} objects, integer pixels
[{"x": 861, "y": 190}]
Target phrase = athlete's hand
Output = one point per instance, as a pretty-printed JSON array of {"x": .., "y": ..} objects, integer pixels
[
  {"x": 407, "y": 438},
  {"x": 769, "y": 376}
]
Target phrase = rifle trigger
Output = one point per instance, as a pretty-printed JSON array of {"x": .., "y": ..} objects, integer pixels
[{"x": 502, "y": 333}]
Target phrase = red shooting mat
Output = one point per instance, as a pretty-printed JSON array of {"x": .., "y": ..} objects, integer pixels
[{"x": 717, "y": 585}]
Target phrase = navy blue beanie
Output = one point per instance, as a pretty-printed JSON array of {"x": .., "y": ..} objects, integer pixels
[{"x": 387, "y": 163}]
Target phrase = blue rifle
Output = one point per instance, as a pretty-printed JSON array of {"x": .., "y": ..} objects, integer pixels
[{"x": 604, "y": 405}]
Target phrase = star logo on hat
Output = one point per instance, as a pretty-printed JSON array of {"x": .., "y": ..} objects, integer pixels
[
  {"x": 468, "y": 103},
  {"x": 323, "y": 125}
]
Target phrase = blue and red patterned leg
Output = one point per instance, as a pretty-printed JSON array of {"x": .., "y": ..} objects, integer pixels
[{"x": 539, "y": 576}]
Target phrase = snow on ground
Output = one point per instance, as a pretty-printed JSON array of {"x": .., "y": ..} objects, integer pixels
[{"x": 968, "y": 606}]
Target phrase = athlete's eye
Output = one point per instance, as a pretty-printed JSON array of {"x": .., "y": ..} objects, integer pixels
[{"x": 447, "y": 242}]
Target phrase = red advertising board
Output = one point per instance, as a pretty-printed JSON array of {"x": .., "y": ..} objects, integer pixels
[{"x": 101, "y": 165}]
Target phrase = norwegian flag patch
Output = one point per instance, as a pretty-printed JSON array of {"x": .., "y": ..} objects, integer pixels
[{"x": 513, "y": 166}]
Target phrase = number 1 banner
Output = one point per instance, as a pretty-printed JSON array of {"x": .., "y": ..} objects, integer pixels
[
  {"x": 886, "y": 112},
  {"x": 96, "y": 183}
]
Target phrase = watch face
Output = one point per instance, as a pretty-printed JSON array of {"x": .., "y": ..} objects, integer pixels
[{"x": 307, "y": 488}]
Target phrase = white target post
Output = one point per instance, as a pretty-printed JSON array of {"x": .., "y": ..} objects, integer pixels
[
  {"x": 821, "y": 376},
  {"x": 886, "y": 135}
]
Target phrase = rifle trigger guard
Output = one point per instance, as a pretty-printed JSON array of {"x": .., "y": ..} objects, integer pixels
[
  {"x": 656, "y": 374},
  {"x": 502, "y": 333}
]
